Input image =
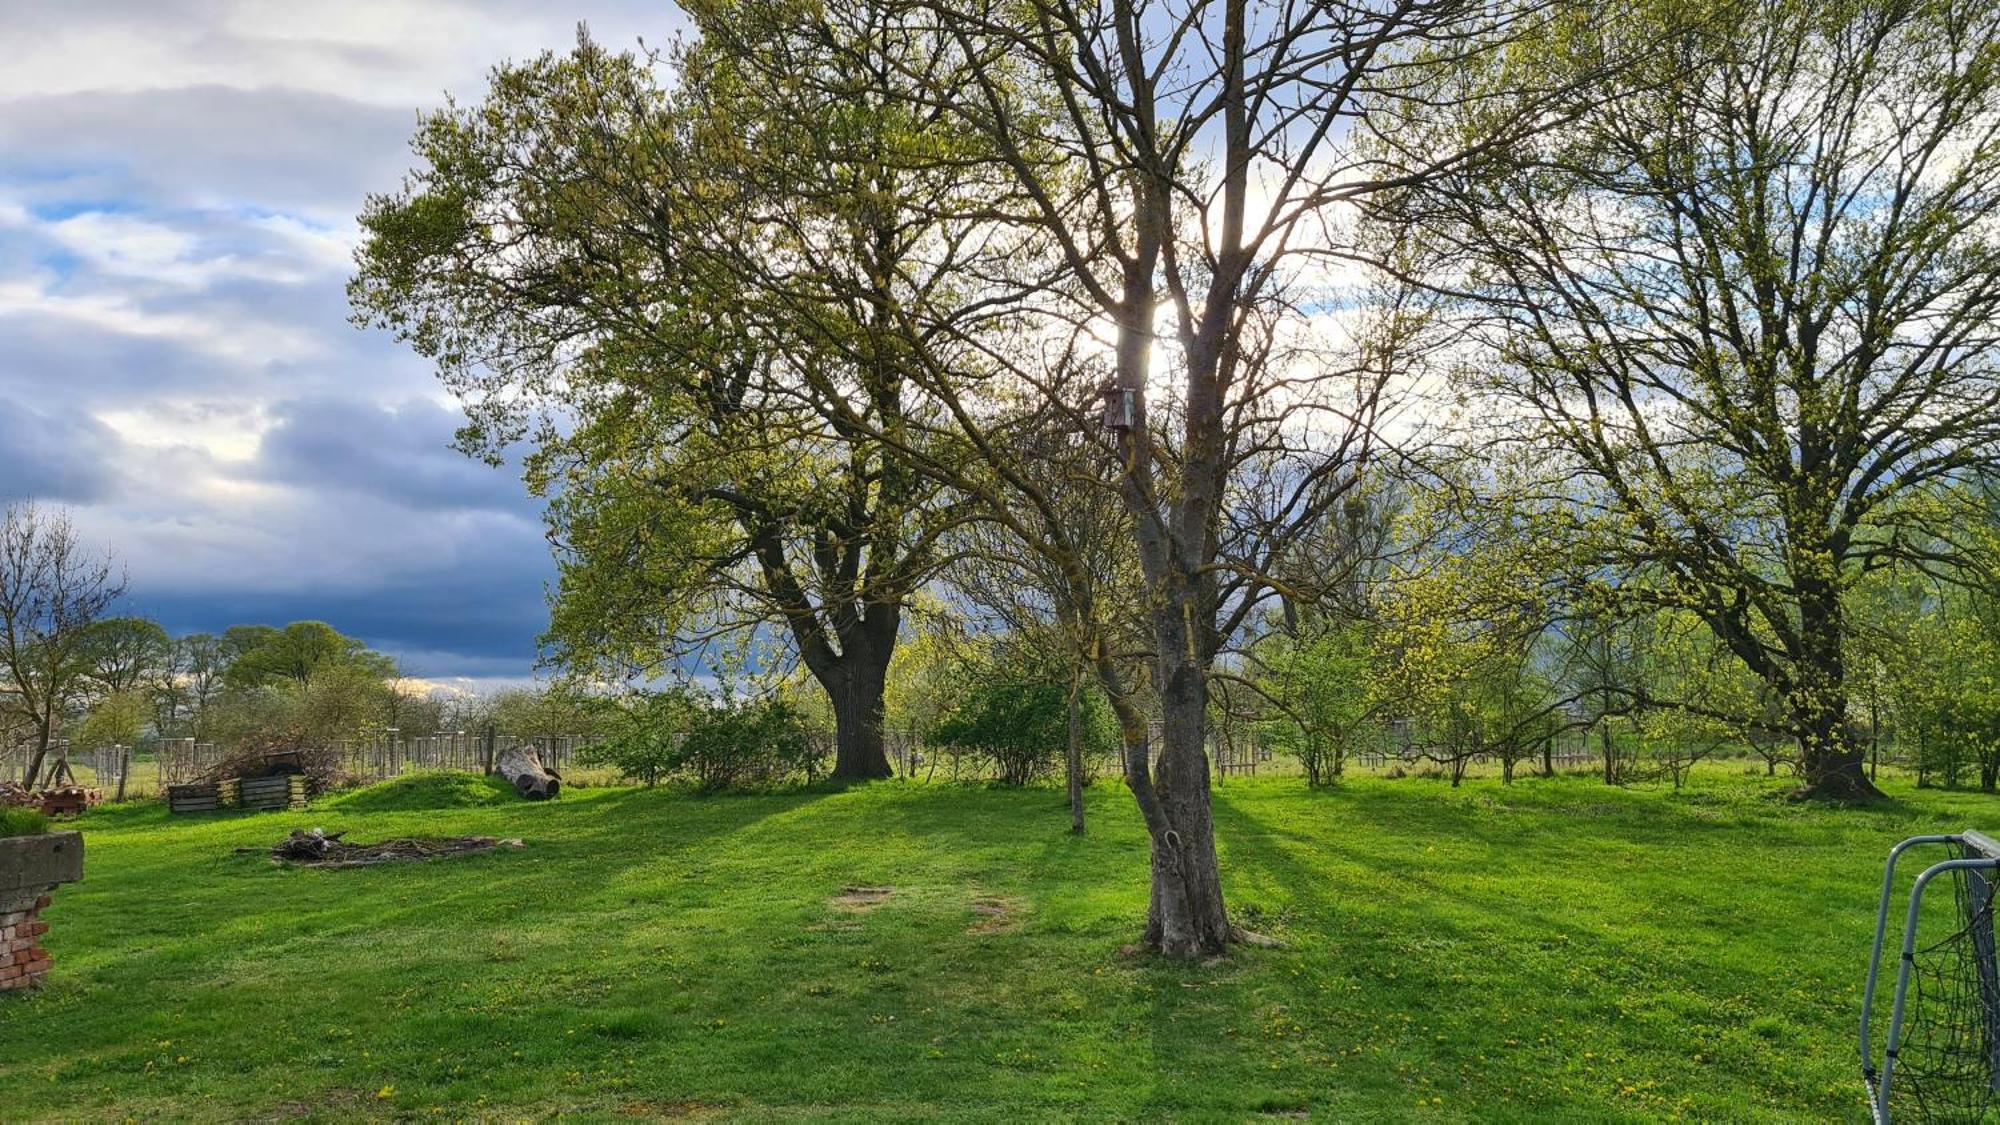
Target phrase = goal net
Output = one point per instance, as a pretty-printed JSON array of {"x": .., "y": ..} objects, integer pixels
[{"x": 1941, "y": 1054}]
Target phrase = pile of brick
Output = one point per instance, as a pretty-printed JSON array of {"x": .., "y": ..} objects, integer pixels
[{"x": 23, "y": 961}]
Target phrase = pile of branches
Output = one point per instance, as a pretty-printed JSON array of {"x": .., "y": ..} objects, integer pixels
[
  {"x": 14, "y": 795},
  {"x": 323, "y": 849},
  {"x": 280, "y": 750}
]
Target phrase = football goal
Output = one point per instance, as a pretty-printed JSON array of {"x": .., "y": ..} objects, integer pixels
[{"x": 1940, "y": 1053}]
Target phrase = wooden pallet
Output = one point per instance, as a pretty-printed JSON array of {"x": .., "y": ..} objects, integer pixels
[
  {"x": 271, "y": 794},
  {"x": 201, "y": 797},
  {"x": 257, "y": 794}
]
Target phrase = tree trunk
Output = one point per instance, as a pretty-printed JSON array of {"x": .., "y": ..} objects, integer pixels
[
  {"x": 1834, "y": 765},
  {"x": 1074, "y": 760},
  {"x": 37, "y": 759},
  {"x": 1610, "y": 751},
  {"x": 1186, "y": 917},
  {"x": 859, "y": 754}
]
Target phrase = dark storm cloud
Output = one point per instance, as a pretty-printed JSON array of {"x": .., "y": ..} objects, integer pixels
[
  {"x": 401, "y": 453},
  {"x": 481, "y": 621},
  {"x": 58, "y": 455}
]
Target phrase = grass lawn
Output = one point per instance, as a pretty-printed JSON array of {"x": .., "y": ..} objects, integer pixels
[{"x": 1549, "y": 951}]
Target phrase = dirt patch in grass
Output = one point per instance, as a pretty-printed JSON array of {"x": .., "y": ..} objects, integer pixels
[
  {"x": 672, "y": 1110},
  {"x": 858, "y": 899},
  {"x": 991, "y": 915}
]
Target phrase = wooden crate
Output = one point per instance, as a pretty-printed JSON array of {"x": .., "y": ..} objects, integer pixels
[{"x": 197, "y": 798}]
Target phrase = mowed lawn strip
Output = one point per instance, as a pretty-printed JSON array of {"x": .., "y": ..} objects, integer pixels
[{"x": 1551, "y": 950}]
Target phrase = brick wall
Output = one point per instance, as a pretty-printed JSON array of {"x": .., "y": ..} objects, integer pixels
[{"x": 23, "y": 961}]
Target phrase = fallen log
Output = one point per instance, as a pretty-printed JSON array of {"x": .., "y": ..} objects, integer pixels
[{"x": 523, "y": 769}]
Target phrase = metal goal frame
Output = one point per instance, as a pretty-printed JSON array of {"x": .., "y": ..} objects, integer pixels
[{"x": 1979, "y": 865}]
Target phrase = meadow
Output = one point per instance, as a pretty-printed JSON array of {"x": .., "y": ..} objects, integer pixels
[{"x": 1553, "y": 950}]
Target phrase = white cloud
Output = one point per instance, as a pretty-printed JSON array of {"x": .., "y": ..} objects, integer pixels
[{"x": 220, "y": 333}]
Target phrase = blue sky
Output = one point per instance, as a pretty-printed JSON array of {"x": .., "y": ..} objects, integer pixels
[{"x": 178, "y": 186}]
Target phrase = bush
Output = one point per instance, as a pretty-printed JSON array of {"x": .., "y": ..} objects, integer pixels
[
  {"x": 734, "y": 745},
  {"x": 22, "y": 822},
  {"x": 1022, "y": 728},
  {"x": 715, "y": 745}
]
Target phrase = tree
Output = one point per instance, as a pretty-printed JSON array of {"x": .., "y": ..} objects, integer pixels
[
  {"x": 51, "y": 593},
  {"x": 1461, "y": 655},
  {"x": 195, "y": 670},
  {"x": 127, "y": 654},
  {"x": 1316, "y": 678},
  {"x": 685, "y": 297},
  {"x": 118, "y": 719},
  {"x": 297, "y": 653},
  {"x": 1740, "y": 306},
  {"x": 1185, "y": 164},
  {"x": 1058, "y": 616}
]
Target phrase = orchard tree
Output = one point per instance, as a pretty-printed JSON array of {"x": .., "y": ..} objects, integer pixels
[
  {"x": 1068, "y": 610},
  {"x": 1741, "y": 308}
]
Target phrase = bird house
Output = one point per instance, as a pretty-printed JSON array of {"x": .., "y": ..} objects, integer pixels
[{"x": 1120, "y": 408}]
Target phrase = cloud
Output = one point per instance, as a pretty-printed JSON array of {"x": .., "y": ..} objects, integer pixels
[
  {"x": 178, "y": 186},
  {"x": 400, "y": 454},
  {"x": 55, "y": 455}
]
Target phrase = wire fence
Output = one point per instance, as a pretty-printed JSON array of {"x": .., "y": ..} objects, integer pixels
[
  {"x": 150, "y": 767},
  {"x": 147, "y": 769}
]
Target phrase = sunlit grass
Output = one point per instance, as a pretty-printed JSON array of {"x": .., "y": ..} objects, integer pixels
[{"x": 1553, "y": 950}]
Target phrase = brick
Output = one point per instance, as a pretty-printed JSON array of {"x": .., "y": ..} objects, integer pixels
[
  {"x": 33, "y": 929},
  {"x": 41, "y": 903}
]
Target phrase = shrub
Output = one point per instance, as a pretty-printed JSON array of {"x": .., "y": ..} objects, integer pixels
[
  {"x": 22, "y": 822},
  {"x": 736, "y": 744},
  {"x": 715, "y": 745},
  {"x": 1022, "y": 728}
]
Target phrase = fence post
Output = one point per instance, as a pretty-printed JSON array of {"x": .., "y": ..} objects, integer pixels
[{"x": 488, "y": 749}]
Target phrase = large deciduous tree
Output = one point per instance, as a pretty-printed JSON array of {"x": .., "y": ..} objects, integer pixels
[
  {"x": 687, "y": 296},
  {"x": 1742, "y": 310}
]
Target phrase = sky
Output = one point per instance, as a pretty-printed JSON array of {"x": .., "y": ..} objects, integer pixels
[{"x": 178, "y": 186}]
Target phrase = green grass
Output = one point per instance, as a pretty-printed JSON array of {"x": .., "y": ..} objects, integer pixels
[
  {"x": 1550, "y": 951},
  {"x": 22, "y": 822}
]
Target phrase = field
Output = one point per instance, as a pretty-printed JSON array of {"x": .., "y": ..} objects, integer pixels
[{"x": 1554, "y": 950}]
